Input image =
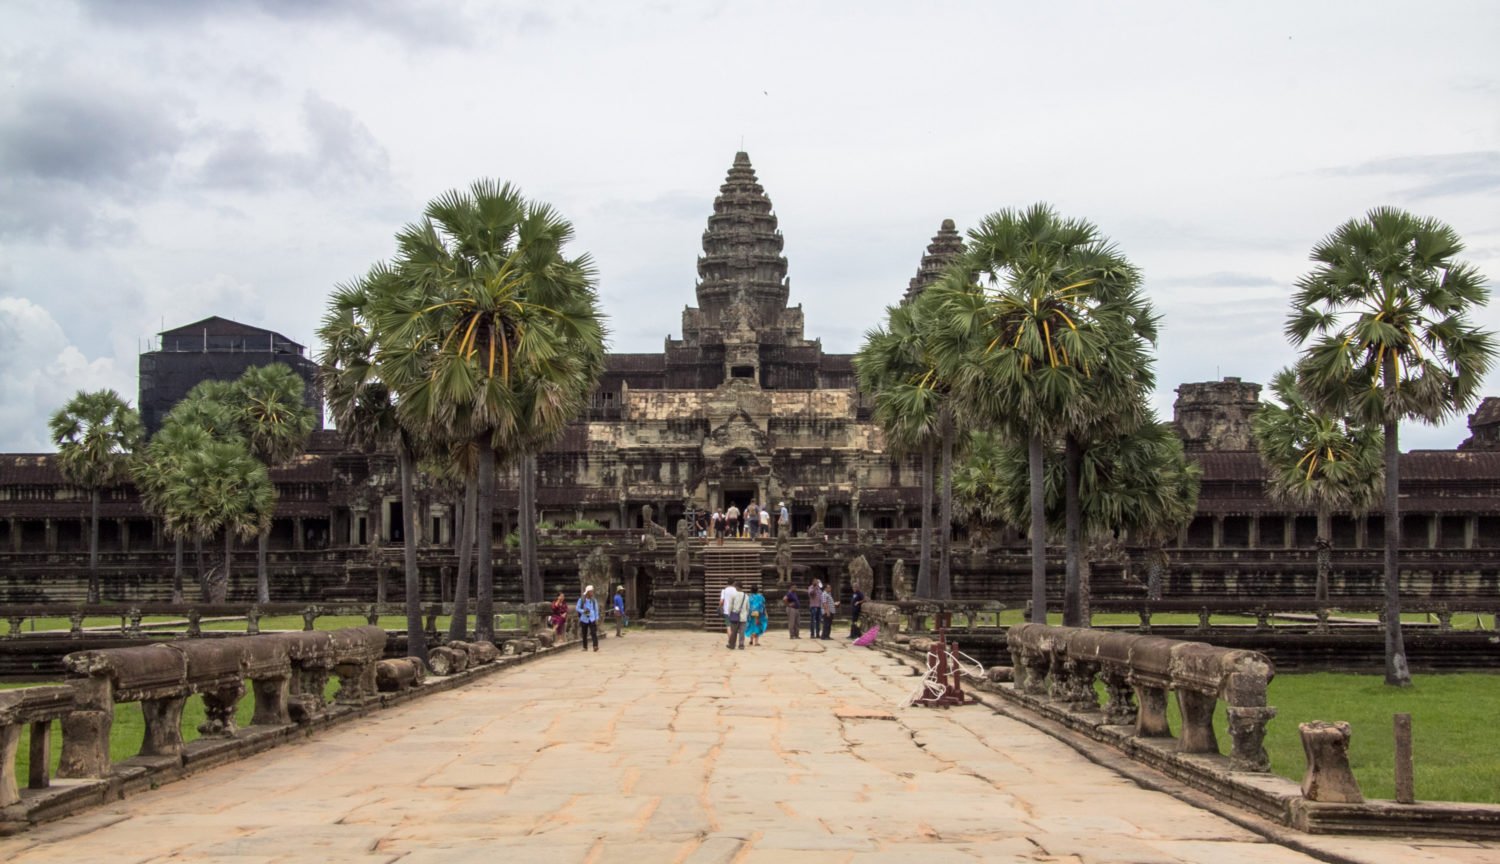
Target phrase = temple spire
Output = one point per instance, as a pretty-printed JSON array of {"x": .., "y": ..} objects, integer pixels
[
  {"x": 742, "y": 260},
  {"x": 944, "y": 249}
]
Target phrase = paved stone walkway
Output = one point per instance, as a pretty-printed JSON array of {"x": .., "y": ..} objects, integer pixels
[{"x": 665, "y": 747}]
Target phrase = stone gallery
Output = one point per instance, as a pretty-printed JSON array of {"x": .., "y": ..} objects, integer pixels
[{"x": 743, "y": 408}]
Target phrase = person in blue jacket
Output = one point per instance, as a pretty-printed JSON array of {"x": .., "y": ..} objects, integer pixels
[{"x": 588, "y": 617}]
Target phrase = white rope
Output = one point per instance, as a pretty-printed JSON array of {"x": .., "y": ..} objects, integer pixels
[{"x": 935, "y": 689}]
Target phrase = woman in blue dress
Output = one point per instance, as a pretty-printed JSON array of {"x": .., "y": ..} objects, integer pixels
[{"x": 757, "y": 623}]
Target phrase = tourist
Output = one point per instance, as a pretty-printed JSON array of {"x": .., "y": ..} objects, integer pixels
[
  {"x": 783, "y": 520},
  {"x": 856, "y": 603},
  {"x": 732, "y": 521},
  {"x": 738, "y": 605},
  {"x": 828, "y": 607},
  {"x": 757, "y": 623},
  {"x": 559, "y": 614},
  {"x": 700, "y": 522},
  {"x": 793, "y": 612},
  {"x": 717, "y": 521},
  {"x": 752, "y": 520},
  {"x": 724, "y": 596},
  {"x": 588, "y": 617},
  {"x": 765, "y": 522},
  {"x": 815, "y": 608},
  {"x": 621, "y": 621}
]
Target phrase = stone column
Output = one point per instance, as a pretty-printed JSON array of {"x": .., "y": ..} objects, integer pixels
[
  {"x": 1361, "y": 532},
  {"x": 123, "y": 526},
  {"x": 1328, "y": 776},
  {"x": 299, "y": 542},
  {"x": 1434, "y": 531},
  {"x": 15, "y": 534},
  {"x": 49, "y": 529},
  {"x": 1218, "y": 542},
  {"x": 1254, "y": 531},
  {"x": 1471, "y": 530},
  {"x": 1288, "y": 531}
]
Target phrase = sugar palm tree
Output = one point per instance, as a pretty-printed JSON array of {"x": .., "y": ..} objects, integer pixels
[
  {"x": 153, "y": 471},
  {"x": 208, "y": 407},
  {"x": 221, "y": 487},
  {"x": 1041, "y": 278},
  {"x": 95, "y": 434},
  {"x": 890, "y": 366},
  {"x": 358, "y": 391},
  {"x": 1137, "y": 486},
  {"x": 1383, "y": 318},
  {"x": 1317, "y": 459},
  {"x": 276, "y": 422},
  {"x": 508, "y": 311}
]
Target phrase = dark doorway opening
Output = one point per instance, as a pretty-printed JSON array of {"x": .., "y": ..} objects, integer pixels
[
  {"x": 739, "y": 496},
  {"x": 398, "y": 524}
]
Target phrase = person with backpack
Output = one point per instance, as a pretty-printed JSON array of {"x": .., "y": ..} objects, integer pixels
[{"x": 588, "y": 617}]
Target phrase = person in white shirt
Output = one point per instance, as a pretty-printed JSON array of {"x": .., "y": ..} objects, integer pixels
[
  {"x": 738, "y": 605},
  {"x": 724, "y": 604}
]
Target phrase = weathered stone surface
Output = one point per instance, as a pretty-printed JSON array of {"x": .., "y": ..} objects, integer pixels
[
  {"x": 444, "y": 661},
  {"x": 1328, "y": 778}
]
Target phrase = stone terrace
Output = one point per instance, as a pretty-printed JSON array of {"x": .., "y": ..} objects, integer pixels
[{"x": 664, "y": 747}]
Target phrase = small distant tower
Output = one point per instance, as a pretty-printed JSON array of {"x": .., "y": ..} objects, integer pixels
[
  {"x": 945, "y": 247},
  {"x": 1484, "y": 426},
  {"x": 1215, "y": 415}
]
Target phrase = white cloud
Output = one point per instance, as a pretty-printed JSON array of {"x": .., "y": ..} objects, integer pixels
[{"x": 40, "y": 371}]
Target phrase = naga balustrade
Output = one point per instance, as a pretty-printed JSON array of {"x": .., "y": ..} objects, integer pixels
[
  {"x": 188, "y": 618},
  {"x": 36, "y": 707},
  {"x": 1060, "y": 664},
  {"x": 283, "y": 668}
]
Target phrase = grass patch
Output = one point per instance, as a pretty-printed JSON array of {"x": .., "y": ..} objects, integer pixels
[{"x": 1455, "y": 750}]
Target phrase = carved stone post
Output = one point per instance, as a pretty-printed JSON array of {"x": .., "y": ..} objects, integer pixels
[
  {"x": 85, "y": 746},
  {"x": 1197, "y": 722},
  {"x": 1328, "y": 776},
  {"x": 219, "y": 707},
  {"x": 1247, "y": 733},
  {"x": 163, "y": 726},
  {"x": 1120, "y": 710}
]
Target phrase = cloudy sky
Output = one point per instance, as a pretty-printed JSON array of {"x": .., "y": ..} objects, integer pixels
[{"x": 166, "y": 160}]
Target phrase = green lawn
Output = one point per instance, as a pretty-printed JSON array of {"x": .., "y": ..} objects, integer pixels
[{"x": 1455, "y": 750}]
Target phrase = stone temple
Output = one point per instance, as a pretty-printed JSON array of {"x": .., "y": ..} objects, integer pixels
[{"x": 743, "y": 407}]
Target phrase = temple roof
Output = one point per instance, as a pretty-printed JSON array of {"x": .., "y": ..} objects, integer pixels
[
  {"x": 946, "y": 246},
  {"x": 742, "y": 273}
]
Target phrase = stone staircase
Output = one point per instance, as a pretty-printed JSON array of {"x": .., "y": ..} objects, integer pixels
[{"x": 736, "y": 559}]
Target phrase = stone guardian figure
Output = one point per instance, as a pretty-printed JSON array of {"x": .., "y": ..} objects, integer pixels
[
  {"x": 682, "y": 560},
  {"x": 783, "y": 560}
]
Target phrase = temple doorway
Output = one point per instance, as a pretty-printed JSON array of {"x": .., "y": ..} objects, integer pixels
[{"x": 739, "y": 496}]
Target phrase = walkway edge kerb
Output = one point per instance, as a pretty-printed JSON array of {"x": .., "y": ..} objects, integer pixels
[
  {"x": 1249, "y": 805},
  {"x": 144, "y": 773}
]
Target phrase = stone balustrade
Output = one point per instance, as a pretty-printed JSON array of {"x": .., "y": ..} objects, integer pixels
[
  {"x": 1060, "y": 664},
  {"x": 35, "y": 707},
  {"x": 288, "y": 671}
]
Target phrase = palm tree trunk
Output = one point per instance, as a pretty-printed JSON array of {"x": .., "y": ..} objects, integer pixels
[
  {"x": 262, "y": 581},
  {"x": 416, "y": 640},
  {"x": 484, "y": 594},
  {"x": 945, "y": 519},
  {"x": 1073, "y": 579},
  {"x": 924, "y": 565},
  {"x": 1038, "y": 533},
  {"x": 94, "y": 593},
  {"x": 1396, "y": 672},
  {"x": 531, "y": 576},
  {"x": 228, "y": 556},
  {"x": 1325, "y": 553},
  {"x": 202, "y": 574},
  {"x": 177, "y": 570},
  {"x": 458, "y": 627}
]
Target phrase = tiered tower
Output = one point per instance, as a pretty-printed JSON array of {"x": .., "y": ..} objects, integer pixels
[
  {"x": 743, "y": 286},
  {"x": 945, "y": 247}
]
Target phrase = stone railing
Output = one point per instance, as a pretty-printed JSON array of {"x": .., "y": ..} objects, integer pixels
[
  {"x": 35, "y": 707},
  {"x": 1061, "y": 663},
  {"x": 188, "y": 618},
  {"x": 289, "y": 672}
]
